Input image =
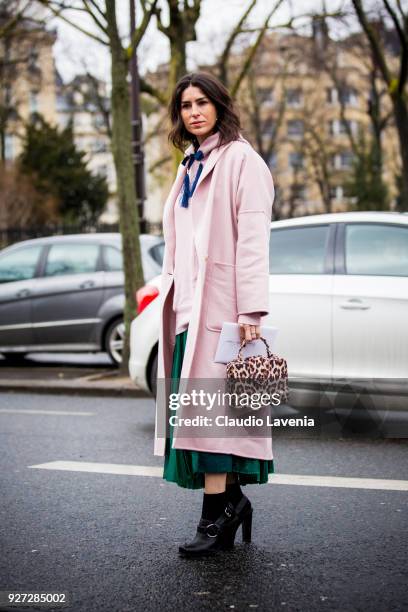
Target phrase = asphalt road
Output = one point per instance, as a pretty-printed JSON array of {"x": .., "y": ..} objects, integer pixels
[{"x": 110, "y": 539}]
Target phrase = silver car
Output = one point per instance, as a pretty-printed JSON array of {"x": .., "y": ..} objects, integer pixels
[{"x": 66, "y": 293}]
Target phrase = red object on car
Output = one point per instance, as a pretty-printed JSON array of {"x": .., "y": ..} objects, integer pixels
[{"x": 144, "y": 296}]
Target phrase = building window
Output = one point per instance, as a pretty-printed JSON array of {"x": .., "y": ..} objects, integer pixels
[
  {"x": 339, "y": 126},
  {"x": 298, "y": 192},
  {"x": 336, "y": 192},
  {"x": 33, "y": 102},
  {"x": 265, "y": 96},
  {"x": 344, "y": 123},
  {"x": 346, "y": 95},
  {"x": 330, "y": 95},
  {"x": 272, "y": 160},
  {"x": 344, "y": 126},
  {"x": 8, "y": 94},
  {"x": 346, "y": 159},
  {"x": 62, "y": 103},
  {"x": 78, "y": 98},
  {"x": 295, "y": 127},
  {"x": 268, "y": 129},
  {"x": 293, "y": 97},
  {"x": 296, "y": 160},
  {"x": 102, "y": 171},
  {"x": 98, "y": 120},
  {"x": 32, "y": 62},
  {"x": 99, "y": 146},
  {"x": 8, "y": 146},
  {"x": 343, "y": 160}
]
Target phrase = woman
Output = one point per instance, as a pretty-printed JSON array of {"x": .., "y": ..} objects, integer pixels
[{"x": 216, "y": 226}]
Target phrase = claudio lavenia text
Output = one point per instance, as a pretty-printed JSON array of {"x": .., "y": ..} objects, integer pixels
[{"x": 248, "y": 421}]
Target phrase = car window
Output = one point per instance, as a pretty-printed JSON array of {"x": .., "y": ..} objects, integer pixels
[
  {"x": 157, "y": 253},
  {"x": 113, "y": 259},
  {"x": 298, "y": 250},
  {"x": 72, "y": 258},
  {"x": 376, "y": 248},
  {"x": 19, "y": 264}
]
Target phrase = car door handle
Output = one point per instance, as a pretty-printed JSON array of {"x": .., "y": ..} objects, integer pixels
[
  {"x": 23, "y": 293},
  {"x": 354, "y": 304},
  {"x": 86, "y": 284}
]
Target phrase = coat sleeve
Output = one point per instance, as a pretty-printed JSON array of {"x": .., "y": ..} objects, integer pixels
[
  {"x": 255, "y": 196},
  {"x": 253, "y": 318}
]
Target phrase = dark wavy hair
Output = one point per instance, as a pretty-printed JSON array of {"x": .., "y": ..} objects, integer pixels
[{"x": 228, "y": 123}]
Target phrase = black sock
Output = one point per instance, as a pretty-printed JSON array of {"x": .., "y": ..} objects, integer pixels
[
  {"x": 234, "y": 493},
  {"x": 213, "y": 505}
]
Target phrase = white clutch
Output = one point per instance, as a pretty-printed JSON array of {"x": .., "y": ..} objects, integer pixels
[{"x": 229, "y": 343}]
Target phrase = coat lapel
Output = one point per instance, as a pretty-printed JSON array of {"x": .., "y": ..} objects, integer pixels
[
  {"x": 169, "y": 229},
  {"x": 213, "y": 157}
]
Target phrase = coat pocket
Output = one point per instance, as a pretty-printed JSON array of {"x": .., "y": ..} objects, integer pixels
[{"x": 221, "y": 295}]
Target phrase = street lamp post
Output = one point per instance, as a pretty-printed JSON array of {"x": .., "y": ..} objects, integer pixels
[{"x": 137, "y": 133}]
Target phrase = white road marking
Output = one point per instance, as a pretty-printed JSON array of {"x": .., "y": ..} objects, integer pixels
[
  {"x": 53, "y": 412},
  {"x": 344, "y": 482},
  {"x": 275, "y": 479},
  {"x": 101, "y": 468}
]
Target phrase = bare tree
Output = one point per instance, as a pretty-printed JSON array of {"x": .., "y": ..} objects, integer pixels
[
  {"x": 103, "y": 16},
  {"x": 396, "y": 82},
  {"x": 365, "y": 145},
  {"x": 17, "y": 20},
  {"x": 21, "y": 203}
]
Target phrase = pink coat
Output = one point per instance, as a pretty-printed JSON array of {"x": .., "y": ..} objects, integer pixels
[{"x": 232, "y": 209}]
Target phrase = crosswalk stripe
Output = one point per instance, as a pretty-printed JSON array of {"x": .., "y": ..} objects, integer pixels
[
  {"x": 378, "y": 484},
  {"x": 101, "y": 468},
  {"x": 339, "y": 481}
]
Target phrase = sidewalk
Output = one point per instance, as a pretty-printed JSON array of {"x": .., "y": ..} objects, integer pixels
[{"x": 71, "y": 381}]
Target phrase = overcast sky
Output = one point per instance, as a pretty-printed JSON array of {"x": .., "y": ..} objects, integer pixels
[{"x": 74, "y": 50}]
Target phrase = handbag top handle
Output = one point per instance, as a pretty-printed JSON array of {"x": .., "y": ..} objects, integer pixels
[{"x": 243, "y": 343}]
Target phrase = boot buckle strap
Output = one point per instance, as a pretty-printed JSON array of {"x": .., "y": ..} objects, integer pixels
[{"x": 212, "y": 530}]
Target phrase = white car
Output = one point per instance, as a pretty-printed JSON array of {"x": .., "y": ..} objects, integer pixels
[{"x": 338, "y": 295}]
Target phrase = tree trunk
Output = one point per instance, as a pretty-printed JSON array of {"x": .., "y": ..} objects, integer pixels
[
  {"x": 401, "y": 122},
  {"x": 177, "y": 70},
  {"x": 122, "y": 156}
]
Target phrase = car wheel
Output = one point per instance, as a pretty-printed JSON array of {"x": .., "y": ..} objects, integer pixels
[
  {"x": 114, "y": 340},
  {"x": 153, "y": 376}
]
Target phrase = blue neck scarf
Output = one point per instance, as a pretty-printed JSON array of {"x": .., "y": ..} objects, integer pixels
[{"x": 189, "y": 160}]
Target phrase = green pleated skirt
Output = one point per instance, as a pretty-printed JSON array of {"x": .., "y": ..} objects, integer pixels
[{"x": 187, "y": 467}]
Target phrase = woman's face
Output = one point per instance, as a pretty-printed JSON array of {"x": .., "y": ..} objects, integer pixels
[{"x": 198, "y": 113}]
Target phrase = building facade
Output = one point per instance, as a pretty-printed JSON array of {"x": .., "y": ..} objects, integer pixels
[
  {"x": 27, "y": 83},
  {"x": 304, "y": 106},
  {"x": 84, "y": 103}
]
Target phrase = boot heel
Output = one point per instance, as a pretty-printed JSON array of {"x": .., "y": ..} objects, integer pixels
[
  {"x": 247, "y": 528},
  {"x": 229, "y": 541}
]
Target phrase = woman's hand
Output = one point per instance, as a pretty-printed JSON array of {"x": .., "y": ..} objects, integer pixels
[{"x": 249, "y": 332}]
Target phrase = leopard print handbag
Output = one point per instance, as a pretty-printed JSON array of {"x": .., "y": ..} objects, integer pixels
[{"x": 258, "y": 374}]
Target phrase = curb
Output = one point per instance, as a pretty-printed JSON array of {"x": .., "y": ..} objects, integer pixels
[{"x": 89, "y": 386}]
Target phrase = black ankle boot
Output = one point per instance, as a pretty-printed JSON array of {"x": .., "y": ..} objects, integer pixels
[
  {"x": 210, "y": 536},
  {"x": 213, "y": 505},
  {"x": 234, "y": 493},
  {"x": 242, "y": 515}
]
